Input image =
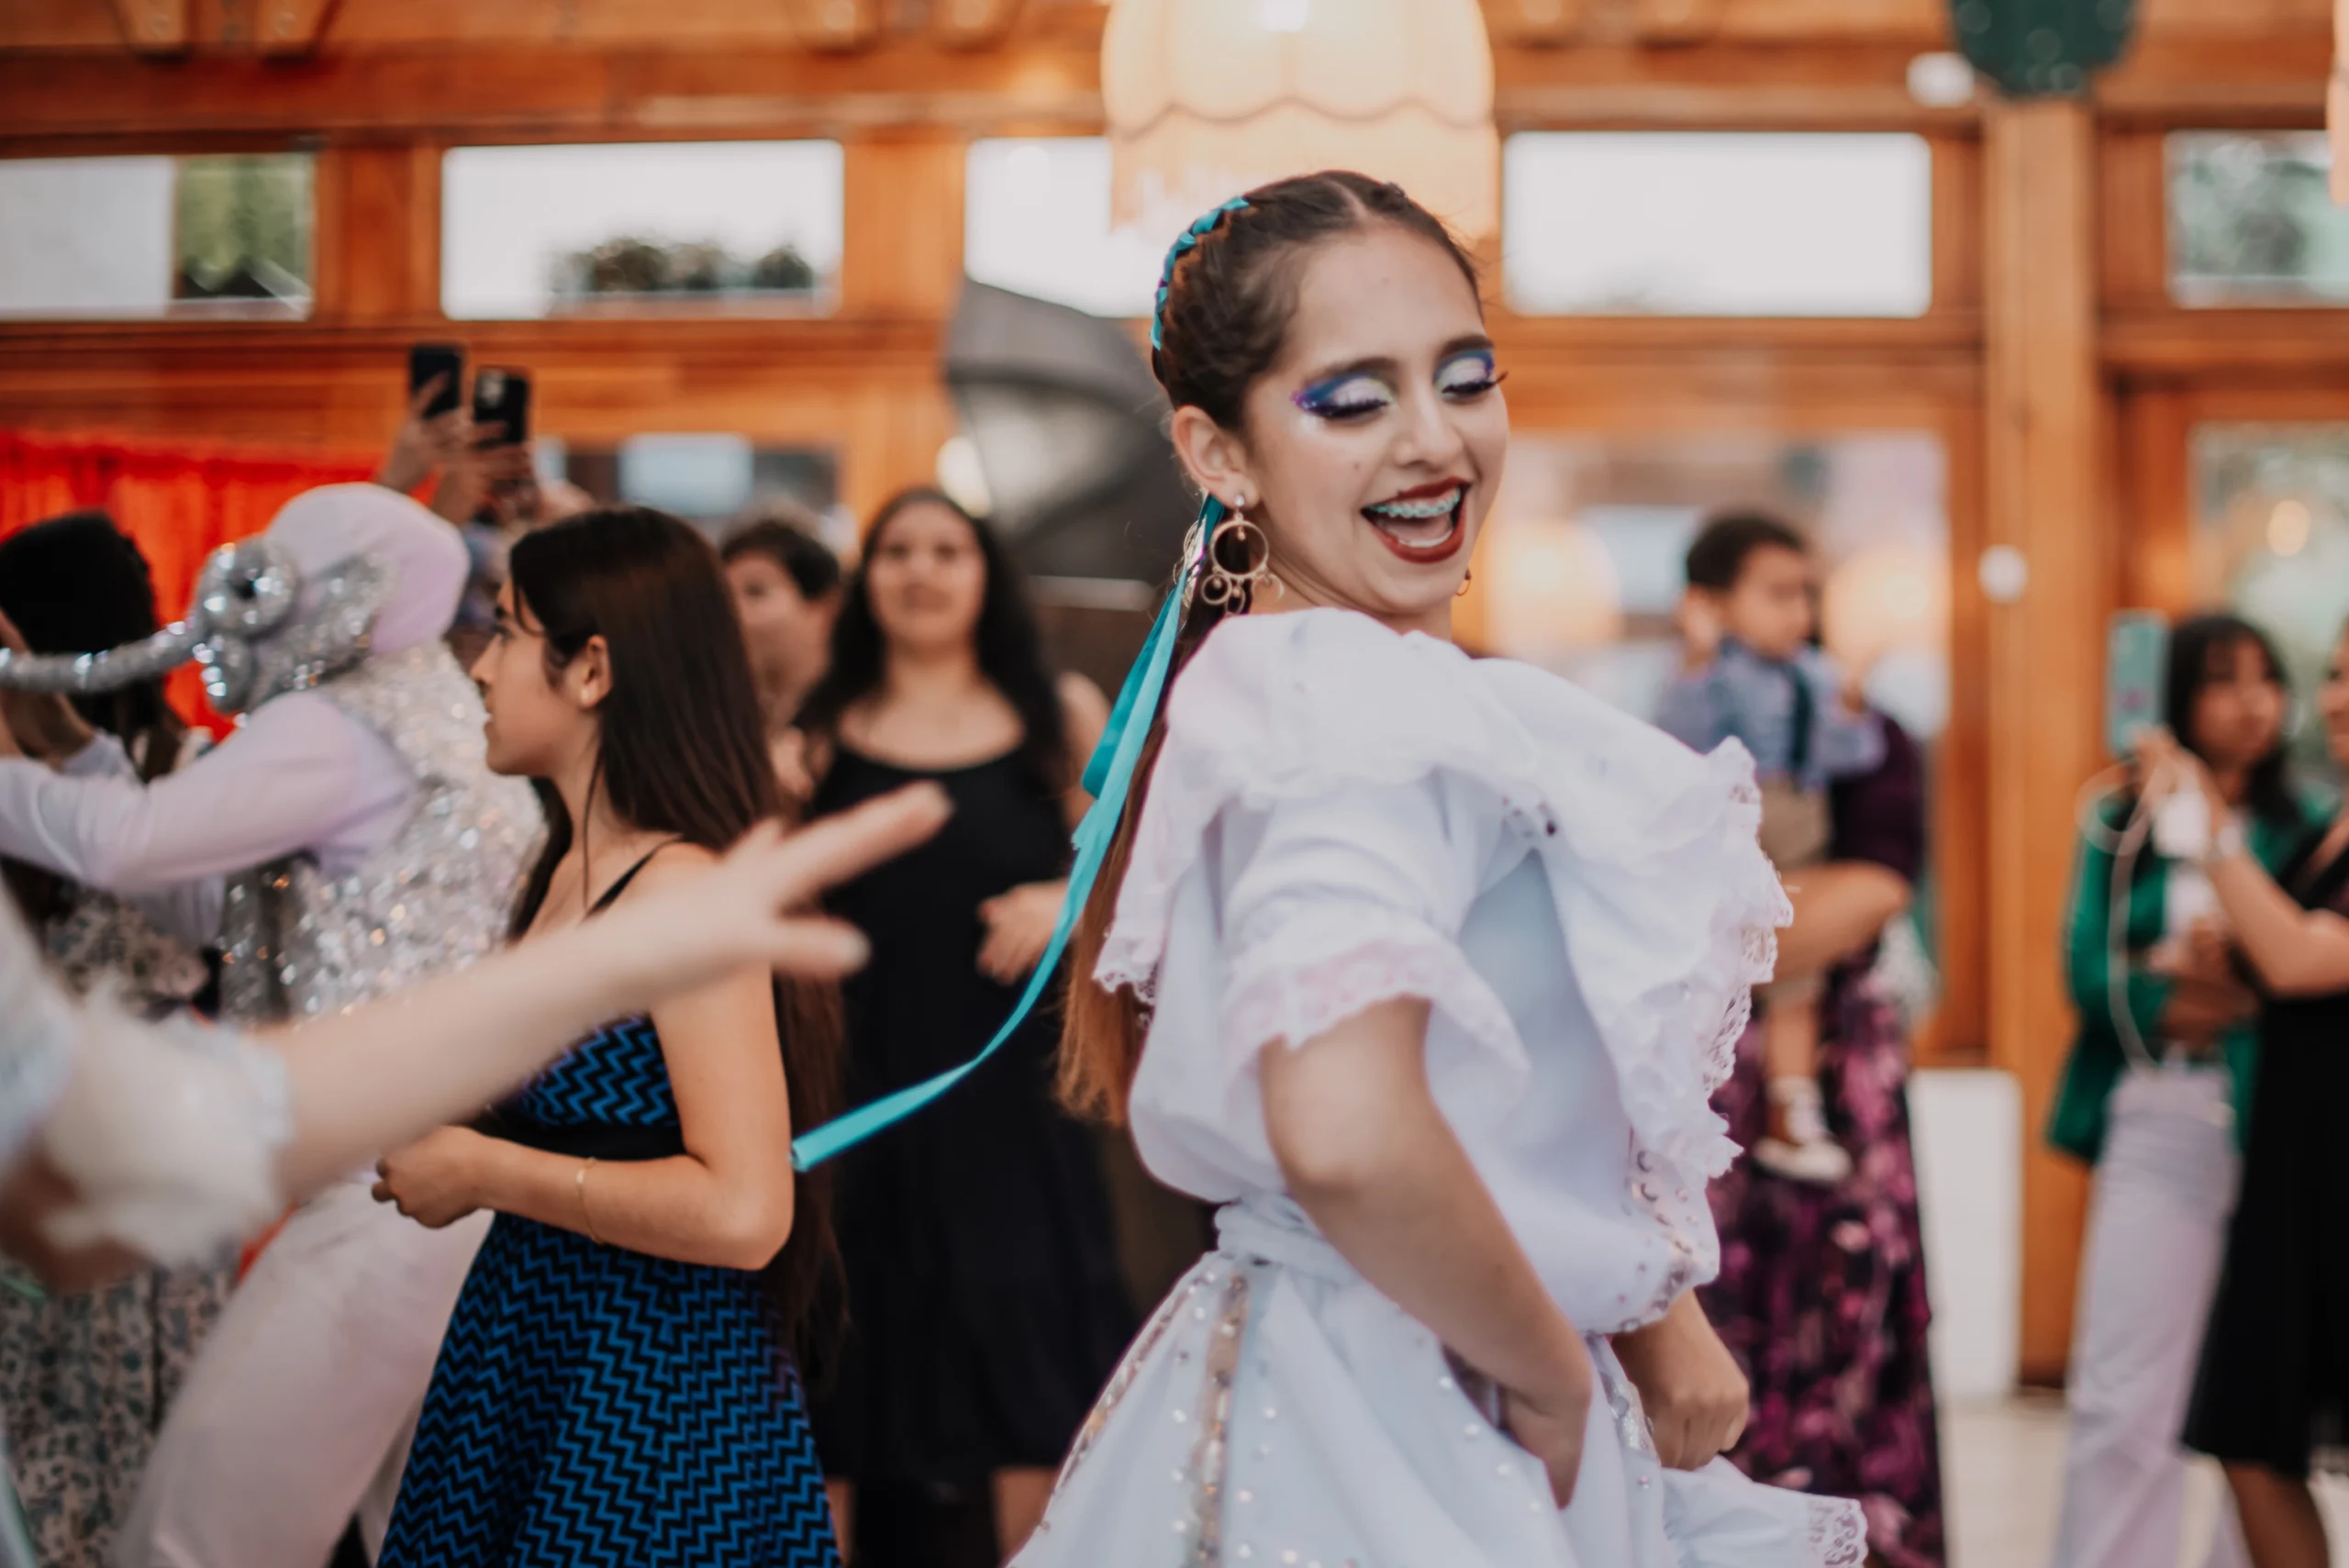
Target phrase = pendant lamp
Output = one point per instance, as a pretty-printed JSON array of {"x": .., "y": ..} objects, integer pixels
[{"x": 1208, "y": 97}]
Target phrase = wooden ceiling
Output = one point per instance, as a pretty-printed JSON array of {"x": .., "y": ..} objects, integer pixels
[{"x": 109, "y": 70}]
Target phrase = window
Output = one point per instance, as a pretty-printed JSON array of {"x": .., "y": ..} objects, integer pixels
[
  {"x": 1717, "y": 224},
  {"x": 1036, "y": 221},
  {"x": 2271, "y": 542},
  {"x": 533, "y": 231},
  {"x": 707, "y": 479},
  {"x": 2252, "y": 221},
  {"x": 142, "y": 238}
]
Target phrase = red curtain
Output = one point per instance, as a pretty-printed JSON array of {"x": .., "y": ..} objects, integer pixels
[{"x": 178, "y": 500}]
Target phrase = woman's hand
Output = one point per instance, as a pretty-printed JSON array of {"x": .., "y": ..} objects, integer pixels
[
  {"x": 1695, "y": 1394},
  {"x": 2167, "y": 768},
  {"x": 437, "y": 1180},
  {"x": 1020, "y": 927},
  {"x": 1551, "y": 1423},
  {"x": 43, "y": 724},
  {"x": 1699, "y": 621},
  {"x": 424, "y": 442}
]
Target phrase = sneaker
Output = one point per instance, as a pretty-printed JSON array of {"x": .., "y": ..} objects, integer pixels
[{"x": 1798, "y": 1146}]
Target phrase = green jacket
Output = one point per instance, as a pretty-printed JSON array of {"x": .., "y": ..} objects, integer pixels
[{"x": 2075, "y": 1126}]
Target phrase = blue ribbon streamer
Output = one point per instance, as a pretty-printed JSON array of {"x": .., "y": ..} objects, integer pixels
[{"x": 1109, "y": 778}]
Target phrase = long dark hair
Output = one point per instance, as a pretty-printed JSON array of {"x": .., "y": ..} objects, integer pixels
[
  {"x": 1009, "y": 647},
  {"x": 682, "y": 751},
  {"x": 75, "y": 583},
  {"x": 1224, "y": 323},
  {"x": 2193, "y": 646}
]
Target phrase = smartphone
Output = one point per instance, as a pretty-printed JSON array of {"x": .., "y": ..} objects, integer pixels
[
  {"x": 446, "y": 360},
  {"x": 502, "y": 398},
  {"x": 2136, "y": 661}
]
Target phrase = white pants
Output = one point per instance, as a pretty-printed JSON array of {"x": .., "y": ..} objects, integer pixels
[
  {"x": 298, "y": 1414},
  {"x": 2157, "y": 1232}
]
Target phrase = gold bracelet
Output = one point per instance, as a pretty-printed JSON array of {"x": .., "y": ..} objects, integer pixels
[{"x": 585, "y": 1217}]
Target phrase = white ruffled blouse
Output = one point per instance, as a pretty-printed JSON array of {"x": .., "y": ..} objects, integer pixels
[{"x": 1340, "y": 817}]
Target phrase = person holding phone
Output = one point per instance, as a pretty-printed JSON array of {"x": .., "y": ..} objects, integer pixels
[
  {"x": 2153, "y": 1097},
  {"x": 2273, "y": 1380}
]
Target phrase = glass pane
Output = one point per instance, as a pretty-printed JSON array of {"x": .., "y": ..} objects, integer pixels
[
  {"x": 1036, "y": 221},
  {"x": 1643, "y": 223},
  {"x": 2250, "y": 221},
  {"x": 244, "y": 233},
  {"x": 143, "y": 237},
  {"x": 1584, "y": 562},
  {"x": 2271, "y": 542},
  {"x": 705, "y": 479},
  {"x": 530, "y": 231}
]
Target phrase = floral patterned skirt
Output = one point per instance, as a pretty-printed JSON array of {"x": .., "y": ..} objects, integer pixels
[
  {"x": 1821, "y": 1294},
  {"x": 84, "y": 1383}
]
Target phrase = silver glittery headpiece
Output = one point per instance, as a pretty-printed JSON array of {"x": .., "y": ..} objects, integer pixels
[{"x": 244, "y": 627}]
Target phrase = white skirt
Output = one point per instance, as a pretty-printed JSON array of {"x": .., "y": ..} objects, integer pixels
[{"x": 1279, "y": 1410}]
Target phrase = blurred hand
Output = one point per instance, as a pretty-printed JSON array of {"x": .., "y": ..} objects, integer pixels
[
  {"x": 2164, "y": 768},
  {"x": 43, "y": 725},
  {"x": 1020, "y": 927},
  {"x": 478, "y": 476},
  {"x": 425, "y": 444},
  {"x": 1695, "y": 1394},
  {"x": 1699, "y": 621},
  {"x": 793, "y": 774}
]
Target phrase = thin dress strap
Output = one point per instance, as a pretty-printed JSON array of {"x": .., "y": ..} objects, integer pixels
[{"x": 612, "y": 892}]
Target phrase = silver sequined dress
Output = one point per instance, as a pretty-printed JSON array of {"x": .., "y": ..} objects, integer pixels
[{"x": 298, "y": 943}]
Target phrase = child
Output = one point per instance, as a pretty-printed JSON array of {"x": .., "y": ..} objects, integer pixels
[{"x": 1751, "y": 673}]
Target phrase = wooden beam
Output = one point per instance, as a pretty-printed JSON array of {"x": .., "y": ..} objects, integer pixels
[
  {"x": 153, "y": 26},
  {"x": 2046, "y": 500},
  {"x": 286, "y": 28},
  {"x": 973, "y": 23},
  {"x": 902, "y": 240}
]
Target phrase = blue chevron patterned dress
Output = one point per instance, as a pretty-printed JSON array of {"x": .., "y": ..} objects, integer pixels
[{"x": 595, "y": 1405}]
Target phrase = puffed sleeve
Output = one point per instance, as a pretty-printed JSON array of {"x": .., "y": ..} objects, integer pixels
[{"x": 1336, "y": 902}]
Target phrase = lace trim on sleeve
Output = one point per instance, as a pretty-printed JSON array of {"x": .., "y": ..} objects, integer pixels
[
  {"x": 1839, "y": 1532},
  {"x": 1283, "y": 989}
]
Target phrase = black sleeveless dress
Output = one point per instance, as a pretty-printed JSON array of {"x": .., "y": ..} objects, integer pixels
[
  {"x": 2273, "y": 1383},
  {"x": 985, "y": 1309}
]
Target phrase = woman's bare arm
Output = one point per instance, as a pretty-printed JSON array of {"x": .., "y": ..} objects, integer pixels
[{"x": 1368, "y": 1154}]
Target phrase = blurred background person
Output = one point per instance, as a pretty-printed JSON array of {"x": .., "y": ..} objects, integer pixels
[
  {"x": 1821, "y": 1295},
  {"x": 2273, "y": 1383},
  {"x": 2155, "y": 1096},
  {"x": 86, "y": 1379},
  {"x": 986, "y": 1307},
  {"x": 347, "y": 840},
  {"x": 786, "y": 588}
]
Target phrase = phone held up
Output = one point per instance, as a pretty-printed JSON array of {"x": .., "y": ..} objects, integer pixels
[
  {"x": 444, "y": 360},
  {"x": 501, "y": 405}
]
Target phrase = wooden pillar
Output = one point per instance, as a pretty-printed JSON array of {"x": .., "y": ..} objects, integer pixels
[
  {"x": 2043, "y": 451},
  {"x": 901, "y": 259},
  {"x": 378, "y": 233}
]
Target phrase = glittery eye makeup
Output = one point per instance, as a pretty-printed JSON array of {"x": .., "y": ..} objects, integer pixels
[
  {"x": 1348, "y": 397},
  {"x": 1471, "y": 373}
]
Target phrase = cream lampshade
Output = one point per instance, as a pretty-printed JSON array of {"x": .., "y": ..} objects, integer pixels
[{"x": 1208, "y": 97}]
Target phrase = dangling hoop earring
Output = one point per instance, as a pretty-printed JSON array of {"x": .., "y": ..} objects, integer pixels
[
  {"x": 1467, "y": 577},
  {"x": 1232, "y": 591}
]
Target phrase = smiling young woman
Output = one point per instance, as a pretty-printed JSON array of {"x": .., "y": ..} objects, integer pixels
[{"x": 1424, "y": 967}]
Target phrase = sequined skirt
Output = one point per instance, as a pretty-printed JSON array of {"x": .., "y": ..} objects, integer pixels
[{"x": 1277, "y": 1409}]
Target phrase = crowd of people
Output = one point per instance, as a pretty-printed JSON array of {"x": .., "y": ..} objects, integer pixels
[{"x": 1456, "y": 989}]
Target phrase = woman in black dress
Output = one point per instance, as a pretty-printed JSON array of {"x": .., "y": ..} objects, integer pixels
[
  {"x": 2274, "y": 1383},
  {"x": 985, "y": 1309}
]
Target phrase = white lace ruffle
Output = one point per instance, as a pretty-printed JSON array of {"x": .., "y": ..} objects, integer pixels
[
  {"x": 169, "y": 1134},
  {"x": 1305, "y": 979},
  {"x": 1839, "y": 1532},
  {"x": 1667, "y": 903}
]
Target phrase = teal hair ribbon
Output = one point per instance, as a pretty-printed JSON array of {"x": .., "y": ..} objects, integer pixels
[{"x": 1109, "y": 779}]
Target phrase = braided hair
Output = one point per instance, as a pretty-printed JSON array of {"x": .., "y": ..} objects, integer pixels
[{"x": 1225, "y": 302}]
